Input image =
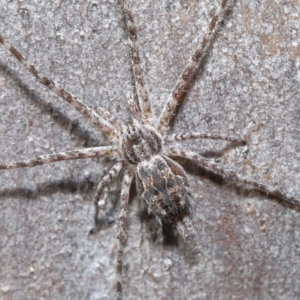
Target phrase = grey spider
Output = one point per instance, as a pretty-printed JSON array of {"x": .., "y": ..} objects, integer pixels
[{"x": 143, "y": 146}]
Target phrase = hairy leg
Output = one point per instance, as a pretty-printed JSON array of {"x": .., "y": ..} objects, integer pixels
[
  {"x": 126, "y": 183},
  {"x": 112, "y": 173},
  {"x": 197, "y": 135},
  {"x": 111, "y": 118},
  {"x": 133, "y": 107},
  {"x": 144, "y": 102},
  {"x": 68, "y": 155},
  {"x": 100, "y": 121},
  {"x": 210, "y": 165},
  {"x": 195, "y": 60}
]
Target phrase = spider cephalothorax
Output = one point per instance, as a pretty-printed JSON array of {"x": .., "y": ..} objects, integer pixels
[{"x": 140, "y": 142}]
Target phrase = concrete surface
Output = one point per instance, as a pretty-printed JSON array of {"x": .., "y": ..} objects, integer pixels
[{"x": 248, "y": 244}]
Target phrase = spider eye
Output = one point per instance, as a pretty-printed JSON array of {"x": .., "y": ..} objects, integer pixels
[
  {"x": 132, "y": 131},
  {"x": 155, "y": 192},
  {"x": 134, "y": 134}
]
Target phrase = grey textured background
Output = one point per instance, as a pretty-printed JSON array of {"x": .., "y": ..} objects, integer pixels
[{"x": 248, "y": 244}]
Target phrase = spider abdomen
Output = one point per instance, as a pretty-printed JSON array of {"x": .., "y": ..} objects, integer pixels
[{"x": 163, "y": 185}]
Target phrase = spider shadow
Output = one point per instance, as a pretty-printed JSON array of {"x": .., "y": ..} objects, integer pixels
[
  {"x": 66, "y": 186},
  {"x": 165, "y": 233},
  {"x": 157, "y": 232},
  {"x": 85, "y": 137}
]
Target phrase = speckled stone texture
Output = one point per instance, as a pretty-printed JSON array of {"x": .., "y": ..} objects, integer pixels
[{"x": 248, "y": 245}]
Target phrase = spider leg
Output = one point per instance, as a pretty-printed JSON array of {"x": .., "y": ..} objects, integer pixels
[
  {"x": 194, "y": 62},
  {"x": 127, "y": 180},
  {"x": 210, "y": 165},
  {"x": 143, "y": 98},
  {"x": 186, "y": 229},
  {"x": 198, "y": 135},
  {"x": 112, "y": 173},
  {"x": 111, "y": 118},
  {"x": 68, "y": 155},
  {"x": 100, "y": 121},
  {"x": 133, "y": 107}
]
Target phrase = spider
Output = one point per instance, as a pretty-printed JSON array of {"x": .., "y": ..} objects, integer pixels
[{"x": 143, "y": 148}]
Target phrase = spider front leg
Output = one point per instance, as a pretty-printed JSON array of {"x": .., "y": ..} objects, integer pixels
[
  {"x": 126, "y": 183},
  {"x": 198, "y": 135},
  {"x": 68, "y": 155},
  {"x": 133, "y": 107},
  {"x": 112, "y": 173},
  {"x": 111, "y": 118},
  {"x": 144, "y": 102},
  {"x": 101, "y": 120},
  {"x": 194, "y": 62},
  {"x": 210, "y": 165}
]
